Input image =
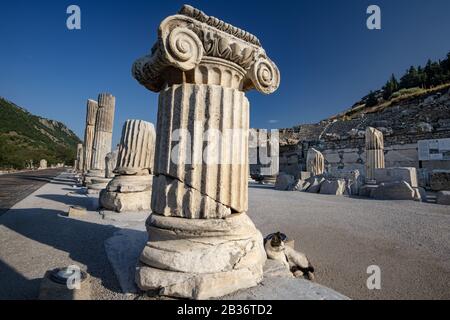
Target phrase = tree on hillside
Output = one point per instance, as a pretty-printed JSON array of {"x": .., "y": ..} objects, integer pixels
[
  {"x": 390, "y": 87},
  {"x": 371, "y": 99},
  {"x": 410, "y": 79}
]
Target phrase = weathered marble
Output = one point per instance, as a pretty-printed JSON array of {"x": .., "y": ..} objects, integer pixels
[
  {"x": 136, "y": 148},
  {"x": 201, "y": 243},
  {"x": 110, "y": 163},
  {"x": 103, "y": 131},
  {"x": 43, "y": 164},
  {"x": 130, "y": 190},
  {"x": 80, "y": 158},
  {"x": 91, "y": 116},
  {"x": 374, "y": 152},
  {"x": 315, "y": 162}
]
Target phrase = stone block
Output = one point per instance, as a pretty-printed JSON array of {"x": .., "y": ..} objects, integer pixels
[
  {"x": 408, "y": 174},
  {"x": 120, "y": 202},
  {"x": 440, "y": 180},
  {"x": 315, "y": 183},
  {"x": 443, "y": 197},
  {"x": 284, "y": 182},
  {"x": 399, "y": 190},
  {"x": 334, "y": 187}
]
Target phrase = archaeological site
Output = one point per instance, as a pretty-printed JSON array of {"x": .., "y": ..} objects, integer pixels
[{"x": 225, "y": 158}]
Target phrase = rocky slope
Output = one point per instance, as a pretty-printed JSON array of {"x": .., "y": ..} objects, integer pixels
[
  {"x": 25, "y": 137},
  {"x": 425, "y": 114}
]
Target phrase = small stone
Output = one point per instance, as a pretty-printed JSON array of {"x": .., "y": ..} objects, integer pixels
[
  {"x": 76, "y": 211},
  {"x": 443, "y": 197}
]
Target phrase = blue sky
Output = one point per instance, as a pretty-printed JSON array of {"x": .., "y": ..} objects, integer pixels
[{"x": 327, "y": 57}]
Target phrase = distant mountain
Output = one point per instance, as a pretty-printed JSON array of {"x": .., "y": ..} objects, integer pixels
[{"x": 25, "y": 137}]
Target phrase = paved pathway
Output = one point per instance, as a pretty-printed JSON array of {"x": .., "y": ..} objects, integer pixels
[{"x": 16, "y": 186}]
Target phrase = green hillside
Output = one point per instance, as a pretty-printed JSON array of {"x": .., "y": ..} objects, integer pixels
[{"x": 24, "y": 137}]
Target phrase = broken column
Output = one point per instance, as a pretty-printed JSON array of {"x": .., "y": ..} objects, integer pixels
[
  {"x": 91, "y": 116},
  {"x": 97, "y": 184},
  {"x": 131, "y": 188},
  {"x": 80, "y": 158},
  {"x": 201, "y": 242},
  {"x": 43, "y": 164},
  {"x": 374, "y": 152},
  {"x": 315, "y": 162},
  {"x": 102, "y": 135}
]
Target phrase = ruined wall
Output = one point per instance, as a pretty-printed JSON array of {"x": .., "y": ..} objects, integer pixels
[{"x": 342, "y": 142}]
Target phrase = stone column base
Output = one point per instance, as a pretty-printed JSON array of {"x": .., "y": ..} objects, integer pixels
[
  {"x": 127, "y": 193},
  {"x": 201, "y": 258},
  {"x": 119, "y": 202},
  {"x": 97, "y": 184}
]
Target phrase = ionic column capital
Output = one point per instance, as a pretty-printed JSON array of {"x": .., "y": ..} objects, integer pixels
[{"x": 195, "y": 48}]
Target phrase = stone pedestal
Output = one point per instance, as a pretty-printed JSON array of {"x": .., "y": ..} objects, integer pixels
[
  {"x": 315, "y": 162},
  {"x": 374, "y": 152},
  {"x": 201, "y": 242},
  {"x": 131, "y": 189},
  {"x": 91, "y": 116}
]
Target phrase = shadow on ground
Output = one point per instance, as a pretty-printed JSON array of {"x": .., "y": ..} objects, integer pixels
[{"x": 83, "y": 241}]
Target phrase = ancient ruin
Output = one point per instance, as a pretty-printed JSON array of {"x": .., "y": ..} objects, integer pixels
[
  {"x": 374, "y": 152},
  {"x": 102, "y": 142},
  {"x": 201, "y": 242},
  {"x": 264, "y": 155},
  {"x": 80, "y": 158},
  {"x": 91, "y": 116},
  {"x": 103, "y": 131},
  {"x": 43, "y": 164},
  {"x": 315, "y": 162},
  {"x": 131, "y": 188}
]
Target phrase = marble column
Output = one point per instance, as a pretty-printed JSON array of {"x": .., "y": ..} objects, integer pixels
[
  {"x": 201, "y": 242},
  {"x": 91, "y": 116},
  {"x": 80, "y": 158},
  {"x": 103, "y": 133},
  {"x": 131, "y": 188},
  {"x": 374, "y": 152},
  {"x": 264, "y": 158},
  {"x": 315, "y": 162}
]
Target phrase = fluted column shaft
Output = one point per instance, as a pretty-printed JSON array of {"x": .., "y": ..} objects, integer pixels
[
  {"x": 374, "y": 152},
  {"x": 214, "y": 184},
  {"x": 103, "y": 131},
  {"x": 315, "y": 162},
  {"x": 80, "y": 157},
  {"x": 136, "y": 149},
  {"x": 91, "y": 116}
]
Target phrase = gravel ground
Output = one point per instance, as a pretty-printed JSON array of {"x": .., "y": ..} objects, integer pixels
[{"x": 409, "y": 241}]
